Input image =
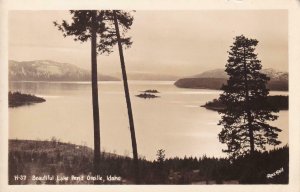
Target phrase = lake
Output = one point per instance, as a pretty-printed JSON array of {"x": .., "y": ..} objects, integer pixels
[{"x": 174, "y": 122}]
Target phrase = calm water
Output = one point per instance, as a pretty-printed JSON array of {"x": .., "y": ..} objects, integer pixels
[{"x": 173, "y": 122}]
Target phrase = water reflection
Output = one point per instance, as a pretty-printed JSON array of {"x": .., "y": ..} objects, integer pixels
[{"x": 174, "y": 122}]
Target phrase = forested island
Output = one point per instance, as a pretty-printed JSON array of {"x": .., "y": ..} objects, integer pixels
[
  {"x": 279, "y": 102},
  {"x": 17, "y": 99},
  {"x": 151, "y": 91},
  {"x": 148, "y": 94}
]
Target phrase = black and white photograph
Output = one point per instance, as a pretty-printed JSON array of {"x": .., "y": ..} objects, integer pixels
[{"x": 149, "y": 97}]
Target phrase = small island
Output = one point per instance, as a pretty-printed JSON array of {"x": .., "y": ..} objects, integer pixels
[
  {"x": 151, "y": 91},
  {"x": 279, "y": 102},
  {"x": 17, "y": 99},
  {"x": 147, "y": 96}
]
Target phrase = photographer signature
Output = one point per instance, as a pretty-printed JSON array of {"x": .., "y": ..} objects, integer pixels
[{"x": 277, "y": 172}]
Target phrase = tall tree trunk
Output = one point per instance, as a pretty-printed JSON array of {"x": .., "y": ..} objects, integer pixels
[
  {"x": 95, "y": 94},
  {"x": 249, "y": 117},
  {"x": 127, "y": 96}
]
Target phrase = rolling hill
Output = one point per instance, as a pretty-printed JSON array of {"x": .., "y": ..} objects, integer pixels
[{"x": 46, "y": 70}]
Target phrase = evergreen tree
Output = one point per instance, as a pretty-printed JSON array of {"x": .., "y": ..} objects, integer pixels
[
  {"x": 246, "y": 115},
  {"x": 160, "y": 156},
  {"x": 162, "y": 172}
]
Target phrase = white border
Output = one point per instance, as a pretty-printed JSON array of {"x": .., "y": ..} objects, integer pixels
[{"x": 293, "y": 7}]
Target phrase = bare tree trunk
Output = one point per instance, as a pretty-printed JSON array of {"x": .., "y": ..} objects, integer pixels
[
  {"x": 128, "y": 102},
  {"x": 95, "y": 94}
]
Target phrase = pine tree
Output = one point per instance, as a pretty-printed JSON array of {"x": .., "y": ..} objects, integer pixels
[{"x": 246, "y": 115}]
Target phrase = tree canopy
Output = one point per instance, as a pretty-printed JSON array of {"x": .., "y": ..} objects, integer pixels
[{"x": 81, "y": 27}]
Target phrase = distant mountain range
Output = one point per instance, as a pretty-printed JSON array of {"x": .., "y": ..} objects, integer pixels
[
  {"x": 220, "y": 73},
  {"x": 46, "y": 70},
  {"x": 214, "y": 79}
]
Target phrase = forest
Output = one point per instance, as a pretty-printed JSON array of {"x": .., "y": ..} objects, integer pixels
[{"x": 55, "y": 158}]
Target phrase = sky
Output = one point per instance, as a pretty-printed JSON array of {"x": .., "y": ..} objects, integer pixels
[{"x": 180, "y": 43}]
